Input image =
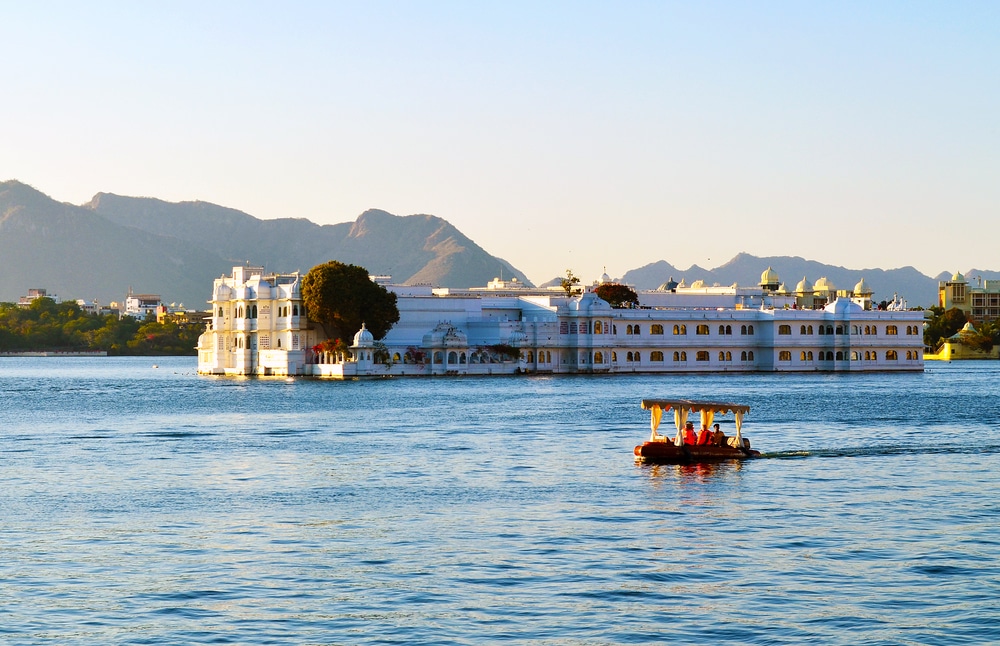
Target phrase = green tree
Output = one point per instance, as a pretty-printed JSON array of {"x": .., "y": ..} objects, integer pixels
[
  {"x": 569, "y": 282},
  {"x": 341, "y": 297},
  {"x": 618, "y": 296},
  {"x": 942, "y": 325}
]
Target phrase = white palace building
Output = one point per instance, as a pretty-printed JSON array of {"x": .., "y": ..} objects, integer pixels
[{"x": 259, "y": 327}]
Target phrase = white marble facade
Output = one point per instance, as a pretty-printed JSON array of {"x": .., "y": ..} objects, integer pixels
[{"x": 526, "y": 330}]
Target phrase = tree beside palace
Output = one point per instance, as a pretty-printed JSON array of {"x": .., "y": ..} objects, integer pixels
[{"x": 341, "y": 297}]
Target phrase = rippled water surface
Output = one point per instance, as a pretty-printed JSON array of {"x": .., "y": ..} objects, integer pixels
[{"x": 148, "y": 505}]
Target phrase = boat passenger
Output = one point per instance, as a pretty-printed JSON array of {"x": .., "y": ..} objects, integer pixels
[
  {"x": 718, "y": 437},
  {"x": 689, "y": 436},
  {"x": 704, "y": 437}
]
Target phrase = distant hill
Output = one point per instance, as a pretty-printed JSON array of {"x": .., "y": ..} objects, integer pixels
[
  {"x": 746, "y": 269},
  {"x": 99, "y": 249}
]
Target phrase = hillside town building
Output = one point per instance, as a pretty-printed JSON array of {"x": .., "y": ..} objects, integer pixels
[
  {"x": 980, "y": 303},
  {"x": 141, "y": 305},
  {"x": 259, "y": 327}
]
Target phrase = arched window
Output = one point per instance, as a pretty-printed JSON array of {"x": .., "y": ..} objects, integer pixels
[
  {"x": 729, "y": 330},
  {"x": 722, "y": 355},
  {"x": 279, "y": 343},
  {"x": 729, "y": 355},
  {"x": 636, "y": 330},
  {"x": 462, "y": 358},
  {"x": 684, "y": 355},
  {"x": 598, "y": 357},
  {"x": 722, "y": 330},
  {"x": 855, "y": 355},
  {"x": 890, "y": 355},
  {"x": 785, "y": 355},
  {"x": 656, "y": 328},
  {"x": 637, "y": 356},
  {"x": 890, "y": 330},
  {"x": 677, "y": 356},
  {"x": 840, "y": 355},
  {"x": 614, "y": 357},
  {"x": 395, "y": 357},
  {"x": 253, "y": 312},
  {"x": 743, "y": 356},
  {"x": 802, "y": 356},
  {"x": 809, "y": 355},
  {"x": 810, "y": 328},
  {"x": 750, "y": 331},
  {"x": 829, "y": 355},
  {"x": 220, "y": 312},
  {"x": 656, "y": 355},
  {"x": 548, "y": 357},
  {"x": 874, "y": 355},
  {"x": 452, "y": 357},
  {"x": 829, "y": 329},
  {"x": 702, "y": 355},
  {"x": 598, "y": 328},
  {"x": 821, "y": 330},
  {"x": 628, "y": 329},
  {"x": 750, "y": 355},
  {"x": 839, "y": 329},
  {"x": 743, "y": 330},
  {"x": 438, "y": 357},
  {"x": 784, "y": 329},
  {"x": 628, "y": 357},
  {"x": 531, "y": 356},
  {"x": 701, "y": 329},
  {"x": 802, "y": 330}
]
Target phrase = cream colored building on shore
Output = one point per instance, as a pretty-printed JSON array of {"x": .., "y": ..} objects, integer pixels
[{"x": 259, "y": 327}]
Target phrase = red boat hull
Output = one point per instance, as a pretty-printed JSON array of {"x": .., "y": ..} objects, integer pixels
[{"x": 667, "y": 453}]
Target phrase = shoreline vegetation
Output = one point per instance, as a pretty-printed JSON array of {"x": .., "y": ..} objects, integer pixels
[{"x": 47, "y": 328}]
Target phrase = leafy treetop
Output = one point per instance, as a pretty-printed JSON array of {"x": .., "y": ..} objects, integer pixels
[
  {"x": 619, "y": 296},
  {"x": 341, "y": 297},
  {"x": 569, "y": 282}
]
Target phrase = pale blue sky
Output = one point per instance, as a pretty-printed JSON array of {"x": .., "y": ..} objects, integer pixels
[{"x": 556, "y": 135}]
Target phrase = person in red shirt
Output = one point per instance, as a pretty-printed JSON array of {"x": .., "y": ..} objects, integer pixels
[
  {"x": 704, "y": 437},
  {"x": 689, "y": 436}
]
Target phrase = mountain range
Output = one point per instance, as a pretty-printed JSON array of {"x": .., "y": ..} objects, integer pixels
[{"x": 100, "y": 249}]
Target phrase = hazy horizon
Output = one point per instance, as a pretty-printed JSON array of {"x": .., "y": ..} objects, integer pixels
[{"x": 556, "y": 136}]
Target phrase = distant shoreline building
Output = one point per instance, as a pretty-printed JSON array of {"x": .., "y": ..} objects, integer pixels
[
  {"x": 259, "y": 327},
  {"x": 981, "y": 303}
]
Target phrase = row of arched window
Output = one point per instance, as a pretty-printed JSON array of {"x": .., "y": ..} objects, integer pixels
[
  {"x": 843, "y": 355},
  {"x": 890, "y": 330},
  {"x": 681, "y": 329},
  {"x": 250, "y": 312},
  {"x": 656, "y": 356}
]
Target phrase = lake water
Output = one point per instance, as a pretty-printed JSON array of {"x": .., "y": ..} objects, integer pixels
[{"x": 148, "y": 505}]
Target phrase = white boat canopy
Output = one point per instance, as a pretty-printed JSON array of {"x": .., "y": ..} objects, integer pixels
[{"x": 682, "y": 407}]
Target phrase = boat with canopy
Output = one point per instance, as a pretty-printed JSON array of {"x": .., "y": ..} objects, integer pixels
[{"x": 675, "y": 450}]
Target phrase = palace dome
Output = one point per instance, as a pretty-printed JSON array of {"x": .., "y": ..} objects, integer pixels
[
  {"x": 958, "y": 277},
  {"x": 824, "y": 285},
  {"x": 668, "y": 286},
  {"x": 769, "y": 277},
  {"x": 804, "y": 286},
  {"x": 363, "y": 338},
  {"x": 862, "y": 288},
  {"x": 844, "y": 306}
]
